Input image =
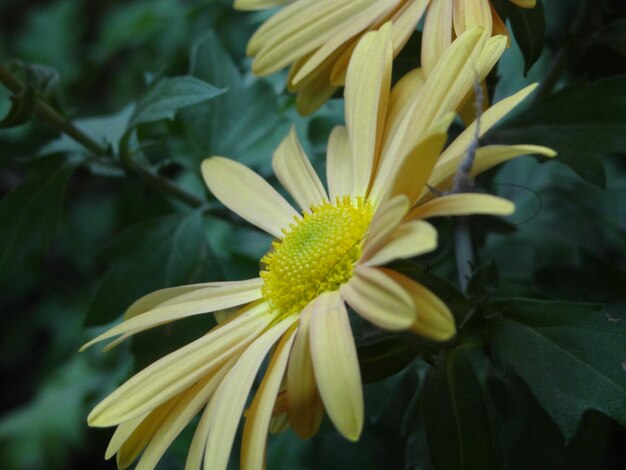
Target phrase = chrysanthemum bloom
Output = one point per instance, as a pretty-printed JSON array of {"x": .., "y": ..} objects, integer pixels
[
  {"x": 317, "y": 37},
  {"x": 329, "y": 253}
]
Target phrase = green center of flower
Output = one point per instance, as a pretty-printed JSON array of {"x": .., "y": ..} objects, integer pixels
[{"x": 317, "y": 254}]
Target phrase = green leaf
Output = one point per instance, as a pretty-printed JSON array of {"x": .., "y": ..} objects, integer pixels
[
  {"x": 30, "y": 213},
  {"x": 22, "y": 109},
  {"x": 582, "y": 123},
  {"x": 455, "y": 413},
  {"x": 163, "y": 252},
  {"x": 167, "y": 96},
  {"x": 571, "y": 355},
  {"x": 387, "y": 356},
  {"x": 528, "y": 26}
]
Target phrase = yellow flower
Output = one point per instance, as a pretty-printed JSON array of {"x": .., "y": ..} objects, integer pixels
[
  {"x": 317, "y": 37},
  {"x": 328, "y": 254}
]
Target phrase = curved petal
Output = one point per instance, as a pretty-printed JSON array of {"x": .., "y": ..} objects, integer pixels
[
  {"x": 187, "y": 406},
  {"x": 434, "y": 319},
  {"x": 379, "y": 299},
  {"x": 437, "y": 33},
  {"x": 468, "y": 14},
  {"x": 386, "y": 218},
  {"x": 248, "y": 195},
  {"x": 230, "y": 397},
  {"x": 409, "y": 239},
  {"x": 463, "y": 204},
  {"x": 122, "y": 434},
  {"x": 366, "y": 94},
  {"x": 304, "y": 406},
  {"x": 296, "y": 174},
  {"x": 525, "y": 3},
  {"x": 258, "y": 4},
  {"x": 173, "y": 373},
  {"x": 192, "y": 302},
  {"x": 336, "y": 364},
  {"x": 260, "y": 411},
  {"x": 338, "y": 163},
  {"x": 484, "y": 159}
]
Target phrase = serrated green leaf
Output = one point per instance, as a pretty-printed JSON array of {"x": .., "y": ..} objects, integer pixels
[
  {"x": 528, "y": 26},
  {"x": 167, "y": 96},
  {"x": 582, "y": 123},
  {"x": 571, "y": 355},
  {"x": 455, "y": 414},
  {"x": 380, "y": 359},
  {"x": 164, "y": 252},
  {"x": 30, "y": 213}
]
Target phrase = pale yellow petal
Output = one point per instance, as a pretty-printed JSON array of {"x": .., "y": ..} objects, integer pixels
[
  {"x": 121, "y": 435},
  {"x": 386, "y": 218},
  {"x": 295, "y": 172},
  {"x": 338, "y": 163},
  {"x": 309, "y": 29},
  {"x": 357, "y": 24},
  {"x": 411, "y": 171},
  {"x": 189, "y": 403},
  {"x": 260, "y": 412},
  {"x": 463, "y": 204},
  {"x": 189, "y": 303},
  {"x": 248, "y": 195},
  {"x": 173, "y": 373},
  {"x": 468, "y": 14},
  {"x": 404, "y": 22},
  {"x": 304, "y": 406},
  {"x": 366, "y": 94},
  {"x": 336, "y": 365},
  {"x": 437, "y": 33},
  {"x": 408, "y": 240},
  {"x": 230, "y": 397},
  {"x": 258, "y": 4},
  {"x": 525, "y": 3},
  {"x": 446, "y": 86},
  {"x": 434, "y": 319},
  {"x": 378, "y": 299},
  {"x": 485, "y": 158}
]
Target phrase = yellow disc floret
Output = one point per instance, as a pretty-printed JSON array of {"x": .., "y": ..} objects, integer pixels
[{"x": 317, "y": 254}]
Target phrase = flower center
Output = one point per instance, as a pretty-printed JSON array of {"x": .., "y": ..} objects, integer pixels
[{"x": 316, "y": 254}]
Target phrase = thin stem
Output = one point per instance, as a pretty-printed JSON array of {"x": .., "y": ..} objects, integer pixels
[
  {"x": 47, "y": 113},
  {"x": 464, "y": 251}
]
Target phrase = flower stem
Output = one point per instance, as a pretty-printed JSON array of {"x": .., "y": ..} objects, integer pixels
[{"x": 47, "y": 113}]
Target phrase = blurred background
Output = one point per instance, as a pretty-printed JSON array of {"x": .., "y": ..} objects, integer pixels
[{"x": 99, "y": 237}]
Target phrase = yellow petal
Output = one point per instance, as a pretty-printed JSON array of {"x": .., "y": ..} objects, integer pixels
[
  {"x": 309, "y": 29},
  {"x": 173, "y": 373},
  {"x": 525, "y": 3},
  {"x": 386, "y": 218},
  {"x": 247, "y": 194},
  {"x": 260, "y": 412},
  {"x": 121, "y": 435},
  {"x": 446, "y": 86},
  {"x": 338, "y": 163},
  {"x": 258, "y": 4},
  {"x": 404, "y": 22},
  {"x": 463, "y": 204},
  {"x": 366, "y": 95},
  {"x": 378, "y": 299},
  {"x": 189, "y": 303},
  {"x": 356, "y": 25},
  {"x": 411, "y": 171},
  {"x": 468, "y": 14},
  {"x": 187, "y": 406},
  {"x": 437, "y": 33},
  {"x": 304, "y": 406},
  {"x": 485, "y": 158},
  {"x": 296, "y": 174},
  {"x": 230, "y": 397},
  {"x": 336, "y": 364},
  {"x": 434, "y": 319},
  {"x": 408, "y": 240}
]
